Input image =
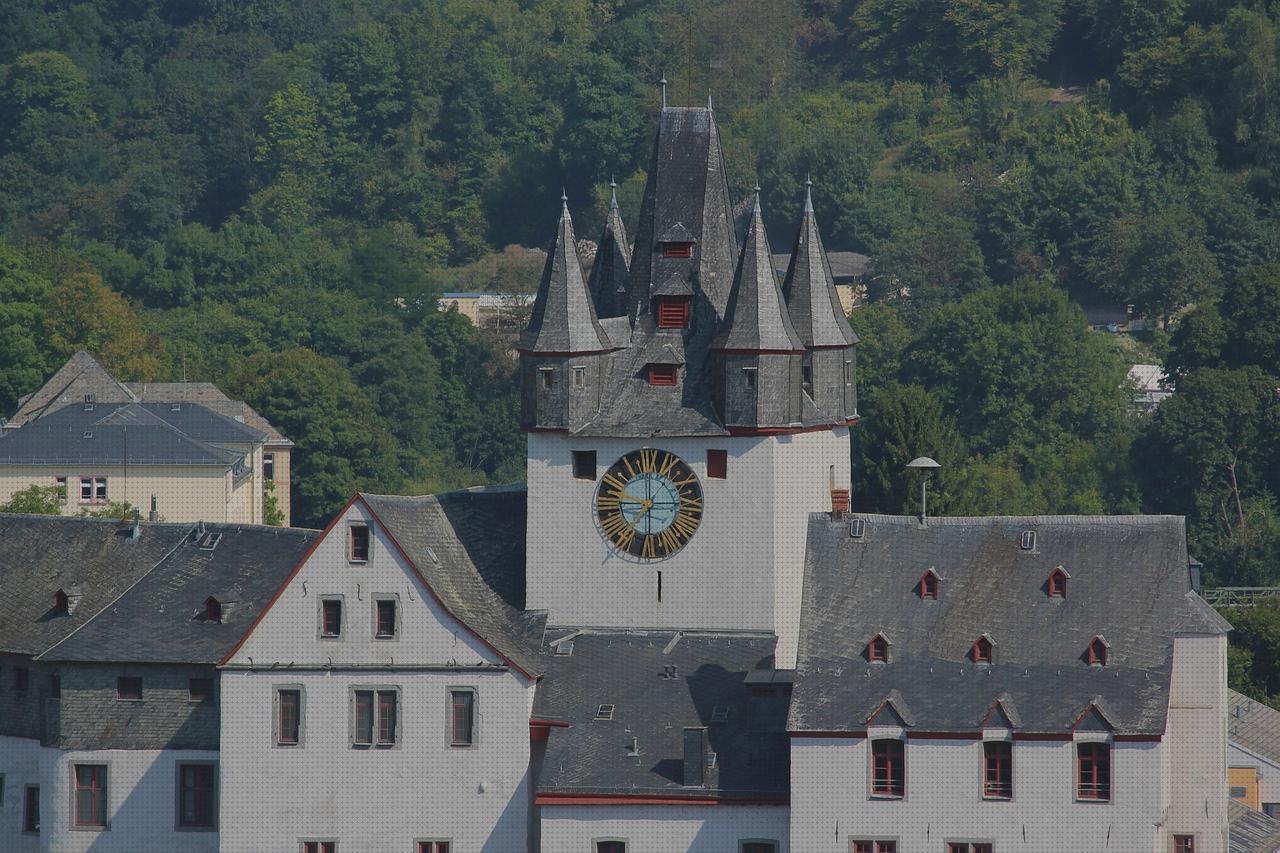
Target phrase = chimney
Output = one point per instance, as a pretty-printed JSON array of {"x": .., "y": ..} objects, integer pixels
[
  {"x": 153, "y": 515},
  {"x": 839, "y": 503},
  {"x": 695, "y": 756}
]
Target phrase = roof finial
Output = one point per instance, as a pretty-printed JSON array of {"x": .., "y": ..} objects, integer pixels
[
  {"x": 757, "y": 190},
  {"x": 613, "y": 193},
  {"x": 663, "y": 83},
  {"x": 564, "y": 198},
  {"x": 808, "y": 193},
  {"x": 708, "y": 102}
]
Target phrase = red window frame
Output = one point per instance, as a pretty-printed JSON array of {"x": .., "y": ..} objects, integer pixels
[
  {"x": 982, "y": 650},
  {"x": 462, "y": 717},
  {"x": 90, "y": 795},
  {"x": 433, "y": 847},
  {"x": 662, "y": 375},
  {"x": 611, "y": 847},
  {"x": 359, "y": 549},
  {"x": 997, "y": 770},
  {"x": 878, "y": 649},
  {"x": 759, "y": 847},
  {"x": 385, "y": 618},
  {"x": 673, "y": 313},
  {"x": 718, "y": 464},
  {"x": 197, "y": 796},
  {"x": 388, "y": 708},
  {"x": 1093, "y": 772},
  {"x": 1057, "y": 585},
  {"x": 1097, "y": 654},
  {"x": 677, "y": 250},
  {"x": 319, "y": 847},
  {"x": 929, "y": 586},
  {"x": 331, "y": 617},
  {"x": 868, "y": 846},
  {"x": 288, "y": 717},
  {"x": 1184, "y": 844},
  {"x": 888, "y": 768}
]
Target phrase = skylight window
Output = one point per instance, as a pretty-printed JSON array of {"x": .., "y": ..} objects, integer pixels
[
  {"x": 720, "y": 714},
  {"x": 604, "y": 712},
  {"x": 857, "y": 529},
  {"x": 1028, "y": 542}
]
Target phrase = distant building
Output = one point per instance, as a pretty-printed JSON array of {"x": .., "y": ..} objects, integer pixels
[
  {"x": 497, "y": 311},
  {"x": 204, "y": 456},
  {"x": 848, "y": 273},
  {"x": 1150, "y": 386},
  {"x": 1253, "y": 762}
]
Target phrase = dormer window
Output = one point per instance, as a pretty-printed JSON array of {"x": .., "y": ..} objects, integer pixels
[
  {"x": 677, "y": 250},
  {"x": 662, "y": 375},
  {"x": 928, "y": 586},
  {"x": 212, "y": 609},
  {"x": 982, "y": 649},
  {"x": 1097, "y": 654},
  {"x": 673, "y": 312},
  {"x": 1056, "y": 586},
  {"x": 60, "y": 604},
  {"x": 359, "y": 550},
  {"x": 878, "y": 649}
]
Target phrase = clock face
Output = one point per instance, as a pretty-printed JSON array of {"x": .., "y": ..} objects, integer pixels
[{"x": 649, "y": 504}]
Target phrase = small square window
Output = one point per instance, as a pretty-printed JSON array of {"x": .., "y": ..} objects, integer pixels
[
  {"x": 720, "y": 714},
  {"x": 662, "y": 375},
  {"x": 673, "y": 313},
  {"x": 604, "y": 712},
  {"x": 584, "y": 465},
  {"x": 331, "y": 617},
  {"x": 359, "y": 543},
  {"x": 386, "y": 618},
  {"x": 199, "y": 689},
  {"x": 548, "y": 376},
  {"x": 579, "y": 377},
  {"x": 749, "y": 374},
  {"x": 129, "y": 688},
  {"x": 718, "y": 464}
]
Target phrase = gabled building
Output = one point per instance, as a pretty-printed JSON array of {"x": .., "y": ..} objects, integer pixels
[{"x": 184, "y": 451}]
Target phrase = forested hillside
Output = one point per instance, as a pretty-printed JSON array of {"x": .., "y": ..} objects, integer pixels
[{"x": 270, "y": 194}]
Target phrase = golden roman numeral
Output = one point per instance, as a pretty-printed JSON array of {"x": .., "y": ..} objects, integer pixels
[
  {"x": 687, "y": 480},
  {"x": 614, "y": 482},
  {"x": 606, "y": 502},
  {"x": 668, "y": 540},
  {"x": 668, "y": 462},
  {"x": 649, "y": 460},
  {"x": 626, "y": 462},
  {"x": 684, "y": 525},
  {"x": 690, "y": 503},
  {"x": 647, "y": 548}
]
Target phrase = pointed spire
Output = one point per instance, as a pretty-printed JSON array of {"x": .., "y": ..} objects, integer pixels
[
  {"x": 663, "y": 84},
  {"x": 563, "y": 319},
  {"x": 607, "y": 281},
  {"x": 756, "y": 318},
  {"x": 812, "y": 301},
  {"x": 709, "y": 102}
]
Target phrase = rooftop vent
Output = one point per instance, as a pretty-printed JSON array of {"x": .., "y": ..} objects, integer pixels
[
  {"x": 563, "y": 648},
  {"x": 670, "y": 671},
  {"x": 720, "y": 714},
  {"x": 176, "y": 407},
  {"x": 857, "y": 529},
  {"x": 633, "y": 747},
  {"x": 604, "y": 712},
  {"x": 87, "y": 434},
  {"x": 210, "y": 541},
  {"x": 1028, "y": 542},
  {"x": 88, "y": 402}
]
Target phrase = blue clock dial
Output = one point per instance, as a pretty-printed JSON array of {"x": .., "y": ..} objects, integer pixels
[{"x": 649, "y": 504}]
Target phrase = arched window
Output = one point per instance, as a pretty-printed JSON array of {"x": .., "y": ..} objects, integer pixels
[
  {"x": 212, "y": 609},
  {"x": 1056, "y": 586},
  {"x": 982, "y": 649},
  {"x": 59, "y": 602},
  {"x": 1097, "y": 654},
  {"x": 878, "y": 649},
  {"x": 928, "y": 587}
]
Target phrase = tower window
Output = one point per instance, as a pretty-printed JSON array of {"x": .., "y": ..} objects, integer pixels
[
  {"x": 929, "y": 585},
  {"x": 212, "y": 609},
  {"x": 806, "y": 378},
  {"x": 677, "y": 250},
  {"x": 673, "y": 313},
  {"x": 1057, "y": 585},
  {"x": 982, "y": 649},
  {"x": 662, "y": 375},
  {"x": 331, "y": 617},
  {"x": 878, "y": 649},
  {"x": 584, "y": 465},
  {"x": 717, "y": 464},
  {"x": 749, "y": 373},
  {"x": 359, "y": 543},
  {"x": 1097, "y": 654},
  {"x": 548, "y": 376},
  {"x": 579, "y": 377}
]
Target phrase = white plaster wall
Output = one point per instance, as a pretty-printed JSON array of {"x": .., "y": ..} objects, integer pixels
[
  {"x": 830, "y": 801},
  {"x": 375, "y": 800},
  {"x": 1268, "y": 772},
  {"x": 184, "y": 494},
  {"x": 743, "y": 568},
  {"x": 1196, "y": 735},
  {"x": 142, "y": 800},
  {"x": 663, "y": 829}
]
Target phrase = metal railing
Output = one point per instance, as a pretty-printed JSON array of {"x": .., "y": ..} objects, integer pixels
[{"x": 1240, "y": 596}]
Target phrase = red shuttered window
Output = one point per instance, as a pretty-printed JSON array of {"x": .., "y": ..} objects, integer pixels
[
  {"x": 663, "y": 375},
  {"x": 888, "y": 768},
  {"x": 997, "y": 770},
  {"x": 1093, "y": 761},
  {"x": 673, "y": 313},
  {"x": 91, "y": 795}
]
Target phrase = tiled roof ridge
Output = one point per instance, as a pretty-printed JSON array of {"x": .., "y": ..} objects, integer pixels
[{"x": 1070, "y": 519}]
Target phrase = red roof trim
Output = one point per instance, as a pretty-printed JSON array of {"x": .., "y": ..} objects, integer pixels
[
  {"x": 848, "y": 734},
  {"x": 653, "y": 800},
  {"x": 1139, "y": 738},
  {"x": 315, "y": 543},
  {"x": 542, "y": 721},
  {"x": 915, "y": 735},
  {"x": 759, "y": 351},
  {"x": 1064, "y": 736},
  {"x": 437, "y": 598},
  {"x": 564, "y": 430},
  {"x": 566, "y": 354},
  {"x": 743, "y": 431}
]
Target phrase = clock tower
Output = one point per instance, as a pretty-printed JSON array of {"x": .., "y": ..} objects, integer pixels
[{"x": 685, "y": 410}]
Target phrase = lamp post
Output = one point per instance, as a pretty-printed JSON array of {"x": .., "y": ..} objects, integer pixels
[{"x": 928, "y": 466}]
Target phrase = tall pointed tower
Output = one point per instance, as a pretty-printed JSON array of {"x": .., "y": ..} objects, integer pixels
[
  {"x": 608, "y": 279},
  {"x": 827, "y": 375},
  {"x": 676, "y": 492}
]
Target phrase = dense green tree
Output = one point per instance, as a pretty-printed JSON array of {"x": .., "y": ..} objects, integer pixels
[
  {"x": 909, "y": 422},
  {"x": 39, "y": 500}
]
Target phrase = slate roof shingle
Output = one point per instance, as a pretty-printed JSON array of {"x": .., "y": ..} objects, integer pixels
[
  {"x": 1250, "y": 831},
  {"x": 1129, "y": 582},
  {"x": 563, "y": 319},
  {"x": 1253, "y": 726}
]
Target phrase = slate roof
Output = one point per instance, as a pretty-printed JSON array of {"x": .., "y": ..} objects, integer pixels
[
  {"x": 624, "y": 669},
  {"x": 136, "y": 433},
  {"x": 1250, "y": 831},
  {"x": 1129, "y": 583},
  {"x": 161, "y": 618},
  {"x": 81, "y": 375},
  {"x": 756, "y": 318},
  {"x": 96, "y": 557},
  {"x": 563, "y": 319},
  {"x": 810, "y": 291},
  {"x": 469, "y": 546},
  {"x": 607, "y": 281},
  {"x": 1253, "y": 726},
  {"x": 211, "y": 397}
]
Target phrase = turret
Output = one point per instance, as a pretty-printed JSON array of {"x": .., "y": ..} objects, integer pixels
[
  {"x": 757, "y": 351},
  {"x": 827, "y": 372},
  {"x": 563, "y": 349},
  {"x": 608, "y": 279}
]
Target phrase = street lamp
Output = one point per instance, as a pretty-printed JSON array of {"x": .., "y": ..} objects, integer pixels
[{"x": 928, "y": 466}]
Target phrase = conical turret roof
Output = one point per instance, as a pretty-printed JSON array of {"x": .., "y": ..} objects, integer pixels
[
  {"x": 608, "y": 279},
  {"x": 810, "y": 291},
  {"x": 756, "y": 318},
  {"x": 563, "y": 319}
]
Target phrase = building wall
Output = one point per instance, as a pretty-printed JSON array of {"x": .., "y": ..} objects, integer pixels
[
  {"x": 741, "y": 570},
  {"x": 1197, "y": 741},
  {"x": 283, "y": 479},
  {"x": 23, "y": 712},
  {"x": 1268, "y": 773},
  {"x": 91, "y": 716},
  {"x": 382, "y": 798},
  {"x": 663, "y": 829},
  {"x": 830, "y": 802},
  {"x": 183, "y": 493}
]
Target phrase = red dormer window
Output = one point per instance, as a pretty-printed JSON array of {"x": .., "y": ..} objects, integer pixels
[
  {"x": 59, "y": 602},
  {"x": 928, "y": 586},
  {"x": 673, "y": 313},
  {"x": 878, "y": 649},
  {"x": 662, "y": 375},
  {"x": 677, "y": 250},
  {"x": 212, "y": 609},
  {"x": 1097, "y": 654},
  {"x": 1057, "y": 584},
  {"x": 982, "y": 650}
]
